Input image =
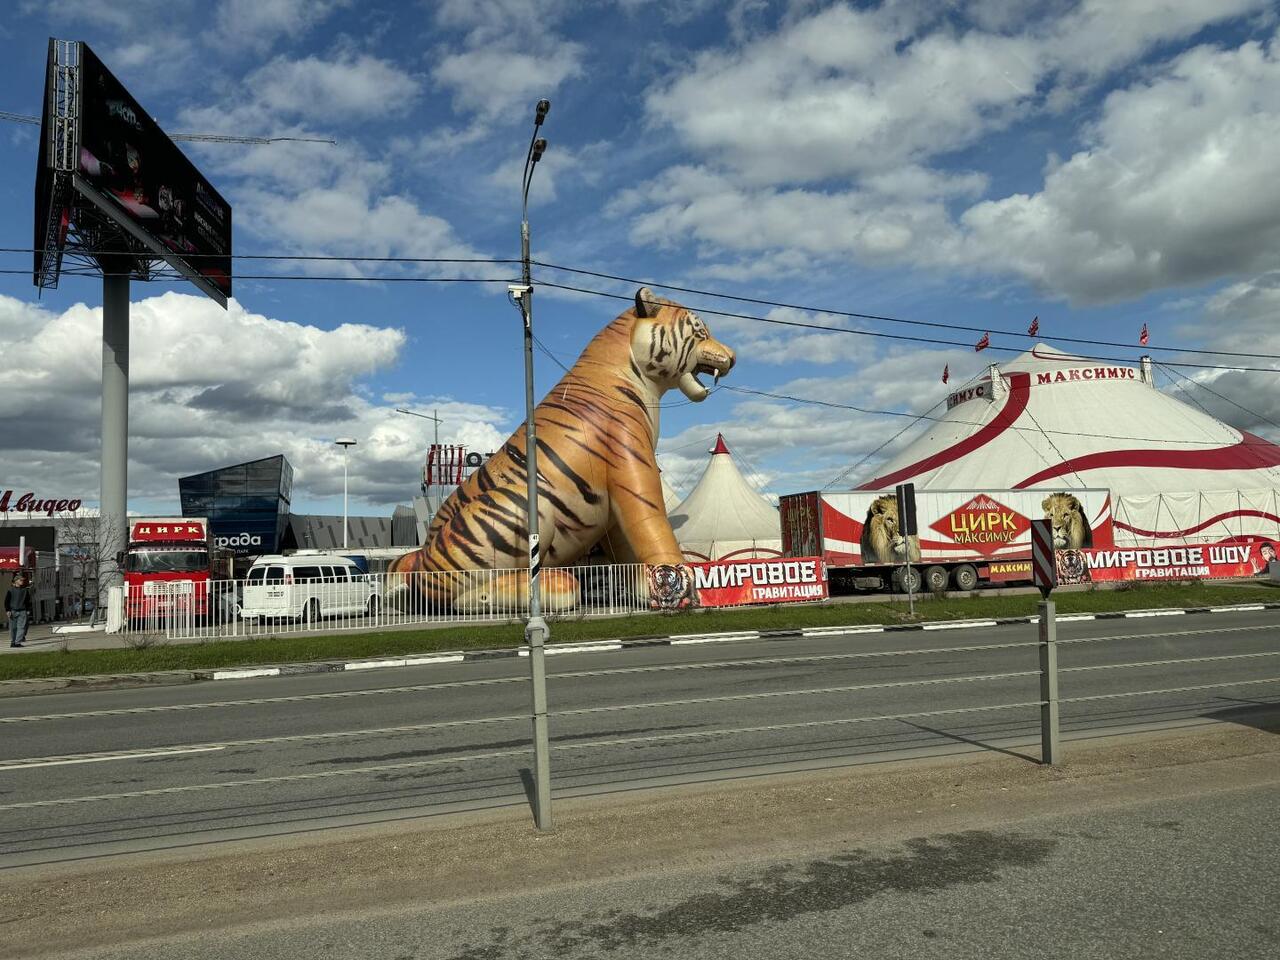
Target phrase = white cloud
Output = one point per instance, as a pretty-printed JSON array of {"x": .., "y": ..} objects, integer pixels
[
  {"x": 257, "y": 24},
  {"x": 856, "y": 90},
  {"x": 342, "y": 88},
  {"x": 317, "y": 198},
  {"x": 832, "y": 136},
  {"x": 800, "y": 445},
  {"x": 1177, "y": 186},
  {"x": 510, "y": 56},
  {"x": 497, "y": 83},
  {"x": 211, "y": 388},
  {"x": 701, "y": 204}
]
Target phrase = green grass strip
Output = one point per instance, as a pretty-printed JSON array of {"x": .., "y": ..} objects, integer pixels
[{"x": 353, "y": 645}]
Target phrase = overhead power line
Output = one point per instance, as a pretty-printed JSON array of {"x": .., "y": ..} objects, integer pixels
[
  {"x": 301, "y": 257},
  {"x": 198, "y": 137},
  {"x": 798, "y": 324},
  {"x": 937, "y": 324},
  {"x": 933, "y": 341},
  {"x": 927, "y": 415},
  {"x": 1225, "y": 399},
  {"x": 178, "y": 278}
]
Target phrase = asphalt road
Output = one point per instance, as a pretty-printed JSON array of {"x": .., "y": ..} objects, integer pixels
[
  {"x": 1191, "y": 878},
  {"x": 96, "y": 773}
]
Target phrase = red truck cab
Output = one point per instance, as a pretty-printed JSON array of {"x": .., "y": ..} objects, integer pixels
[{"x": 170, "y": 568}]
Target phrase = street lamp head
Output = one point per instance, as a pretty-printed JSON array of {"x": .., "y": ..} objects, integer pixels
[
  {"x": 539, "y": 146},
  {"x": 345, "y": 442},
  {"x": 544, "y": 107}
]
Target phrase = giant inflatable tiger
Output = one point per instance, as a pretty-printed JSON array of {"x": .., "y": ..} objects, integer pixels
[{"x": 598, "y": 478}]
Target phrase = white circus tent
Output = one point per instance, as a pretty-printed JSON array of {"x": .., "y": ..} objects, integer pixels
[
  {"x": 723, "y": 517},
  {"x": 1050, "y": 420},
  {"x": 670, "y": 499}
]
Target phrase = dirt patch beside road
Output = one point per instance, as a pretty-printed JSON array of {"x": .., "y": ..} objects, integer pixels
[{"x": 54, "y": 909}]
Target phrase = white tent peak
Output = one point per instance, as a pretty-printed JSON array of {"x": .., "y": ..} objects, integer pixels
[{"x": 724, "y": 516}]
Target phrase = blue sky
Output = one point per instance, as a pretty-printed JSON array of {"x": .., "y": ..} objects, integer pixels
[{"x": 1100, "y": 165}]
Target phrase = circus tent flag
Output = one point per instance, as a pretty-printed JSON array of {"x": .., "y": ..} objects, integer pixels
[
  {"x": 946, "y": 372},
  {"x": 724, "y": 517},
  {"x": 1034, "y": 329},
  {"x": 983, "y": 343},
  {"x": 1144, "y": 338}
]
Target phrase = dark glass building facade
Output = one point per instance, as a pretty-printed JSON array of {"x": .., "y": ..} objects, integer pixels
[{"x": 247, "y": 504}]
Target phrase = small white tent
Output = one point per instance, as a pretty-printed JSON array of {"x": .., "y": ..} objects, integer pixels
[{"x": 723, "y": 518}]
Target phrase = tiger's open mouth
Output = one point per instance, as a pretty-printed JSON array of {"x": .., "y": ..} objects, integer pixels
[{"x": 712, "y": 365}]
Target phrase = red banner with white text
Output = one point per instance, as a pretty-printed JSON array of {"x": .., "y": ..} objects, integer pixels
[
  {"x": 1201, "y": 561},
  {"x": 729, "y": 583}
]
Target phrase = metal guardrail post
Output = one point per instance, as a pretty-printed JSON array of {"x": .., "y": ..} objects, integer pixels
[{"x": 1050, "y": 748}]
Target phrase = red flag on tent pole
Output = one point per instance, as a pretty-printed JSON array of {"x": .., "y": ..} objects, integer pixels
[
  {"x": 983, "y": 343},
  {"x": 1034, "y": 329},
  {"x": 1144, "y": 337},
  {"x": 946, "y": 372}
]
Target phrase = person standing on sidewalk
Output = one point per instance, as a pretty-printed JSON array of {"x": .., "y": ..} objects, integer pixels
[{"x": 17, "y": 607}]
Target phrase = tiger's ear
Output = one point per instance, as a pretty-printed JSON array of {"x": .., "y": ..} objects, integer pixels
[{"x": 647, "y": 304}]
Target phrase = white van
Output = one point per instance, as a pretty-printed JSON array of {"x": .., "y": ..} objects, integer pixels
[{"x": 306, "y": 586}]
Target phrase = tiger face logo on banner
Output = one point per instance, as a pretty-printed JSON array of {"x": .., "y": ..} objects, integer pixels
[{"x": 670, "y": 587}]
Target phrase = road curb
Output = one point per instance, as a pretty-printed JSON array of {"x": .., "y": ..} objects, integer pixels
[{"x": 16, "y": 688}]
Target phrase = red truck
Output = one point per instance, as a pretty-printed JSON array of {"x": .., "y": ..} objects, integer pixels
[
  {"x": 965, "y": 536},
  {"x": 171, "y": 568}
]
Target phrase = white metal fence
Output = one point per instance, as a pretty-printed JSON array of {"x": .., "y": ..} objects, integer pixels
[{"x": 224, "y": 609}]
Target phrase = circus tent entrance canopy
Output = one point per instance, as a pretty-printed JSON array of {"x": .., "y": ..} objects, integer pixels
[
  {"x": 1050, "y": 420},
  {"x": 723, "y": 517}
]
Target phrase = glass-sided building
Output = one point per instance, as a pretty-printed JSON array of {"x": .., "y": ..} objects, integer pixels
[{"x": 247, "y": 504}]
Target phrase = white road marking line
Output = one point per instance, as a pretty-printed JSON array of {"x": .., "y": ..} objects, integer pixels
[
  {"x": 246, "y": 674},
  {"x": 288, "y": 778},
  {"x": 31, "y": 762},
  {"x": 574, "y": 648},
  {"x": 262, "y": 701},
  {"x": 419, "y": 661},
  {"x": 1137, "y": 614},
  {"x": 584, "y": 648},
  {"x": 1242, "y": 608},
  {"x": 1073, "y": 618},
  {"x": 372, "y": 664},
  {"x": 838, "y": 631},
  {"x": 960, "y": 625},
  {"x": 683, "y": 638}
]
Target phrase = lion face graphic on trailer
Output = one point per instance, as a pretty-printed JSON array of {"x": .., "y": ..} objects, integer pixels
[
  {"x": 1071, "y": 530},
  {"x": 882, "y": 540},
  {"x": 598, "y": 478}
]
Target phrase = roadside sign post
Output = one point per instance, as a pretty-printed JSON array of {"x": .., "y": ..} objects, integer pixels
[
  {"x": 905, "y": 494},
  {"x": 1044, "y": 572}
]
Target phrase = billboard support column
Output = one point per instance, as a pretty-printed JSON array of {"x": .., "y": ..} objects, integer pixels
[{"x": 113, "y": 498}]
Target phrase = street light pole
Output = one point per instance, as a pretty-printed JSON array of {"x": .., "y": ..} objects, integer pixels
[
  {"x": 344, "y": 443},
  {"x": 535, "y": 631}
]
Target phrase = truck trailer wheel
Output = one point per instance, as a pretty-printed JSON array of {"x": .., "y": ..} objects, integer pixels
[
  {"x": 965, "y": 577},
  {"x": 936, "y": 579},
  {"x": 901, "y": 579}
]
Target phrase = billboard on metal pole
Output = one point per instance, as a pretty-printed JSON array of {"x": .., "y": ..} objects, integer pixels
[{"x": 124, "y": 169}]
